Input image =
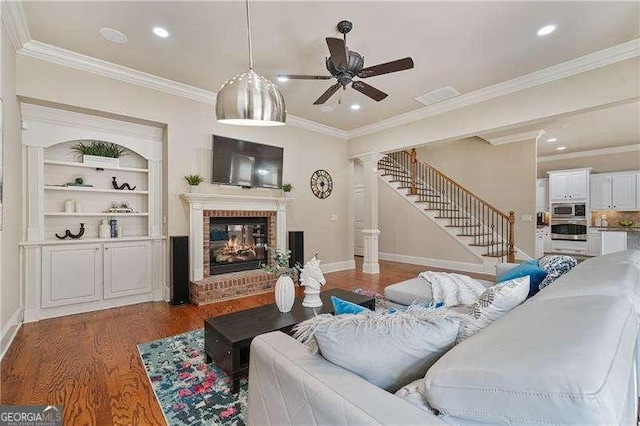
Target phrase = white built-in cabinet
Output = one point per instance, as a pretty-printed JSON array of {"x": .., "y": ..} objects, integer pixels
[
  {"x": 63, "y": 277},
  {"x": 568, "y": 185},
  {"x": 542, "y": 195},
  {"x": 615, "y": 191},
  {"x": 594, "y": 242}
]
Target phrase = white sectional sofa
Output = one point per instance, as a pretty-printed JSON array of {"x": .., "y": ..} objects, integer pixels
[{"x": 566, "y": 356}]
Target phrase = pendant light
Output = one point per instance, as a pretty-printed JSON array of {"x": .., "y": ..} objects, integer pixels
[{"x": 248, "y": 99}]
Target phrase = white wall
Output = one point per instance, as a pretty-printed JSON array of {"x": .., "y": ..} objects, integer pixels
[
  {"x": 190, "y": 125},
  {"x": 10, "y": 303}
]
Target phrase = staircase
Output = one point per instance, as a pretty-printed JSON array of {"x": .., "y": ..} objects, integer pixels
[{"x": 486, "y": 231}]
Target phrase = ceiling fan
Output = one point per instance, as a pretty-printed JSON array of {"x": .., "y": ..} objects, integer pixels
[{"x": 345, "y": 64}]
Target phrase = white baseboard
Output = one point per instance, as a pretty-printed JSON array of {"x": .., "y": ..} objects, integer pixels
[
  {"x": 10, "y": 330},
  {"x": 435, "y": 263},
  {"x": 338, "y": 266}
]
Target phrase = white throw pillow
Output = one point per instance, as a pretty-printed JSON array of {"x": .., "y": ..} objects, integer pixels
[
  {"x": 386, "y": 349},
  {"x": 493, "y": 304}
]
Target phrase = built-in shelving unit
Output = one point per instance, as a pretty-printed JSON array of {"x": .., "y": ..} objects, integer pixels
[{"x": 70, "y": 276}]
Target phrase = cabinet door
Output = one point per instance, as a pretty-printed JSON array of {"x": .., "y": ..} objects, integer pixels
[
  {"x": 637, "y": 190},
  {"x": 624, "y": 191},
  {"x": 539, "y": 244},
  {"x": 547, "y": 241},
  {"x": 542, "y": 195},
  {"x": 601, "y": 191},
  {"x": 71, "y": 274},
  {"x": 595, "y": 243},
  {"x": 577, "y": 184},
  {"x": 558, "y": 186},
  {"x": 127, "y": 269}
]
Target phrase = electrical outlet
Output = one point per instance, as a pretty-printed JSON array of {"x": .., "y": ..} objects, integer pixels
[{"x": 527, "y": 218}]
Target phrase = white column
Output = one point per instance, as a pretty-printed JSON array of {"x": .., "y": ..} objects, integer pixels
[
  {"x": 196, "y": 241},
  {"x": 281, "y": 225},
  {"x": 370, "y": 180}
]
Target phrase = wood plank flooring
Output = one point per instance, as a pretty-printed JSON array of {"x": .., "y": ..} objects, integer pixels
[{"x": 89, "y": 362}]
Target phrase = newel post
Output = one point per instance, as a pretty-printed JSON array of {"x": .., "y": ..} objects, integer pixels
[
  {"x": 511, "y": 254},
  {"x": 414, "y": 171}
]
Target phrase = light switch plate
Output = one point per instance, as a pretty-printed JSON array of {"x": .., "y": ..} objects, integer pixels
[
  {"x": 527, "y": 218},
  {"x": 334, "y": 217}
]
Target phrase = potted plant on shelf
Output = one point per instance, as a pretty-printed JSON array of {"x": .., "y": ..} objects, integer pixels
[
  {"x": 99, "y": 154},
  {"x": 285, "y": 292},
  {"x": 286, "y": 188},
  {"x": 194, "y": 181}
]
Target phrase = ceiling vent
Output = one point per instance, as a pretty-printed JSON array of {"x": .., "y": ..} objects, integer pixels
[{"x": 437, "y": 95}]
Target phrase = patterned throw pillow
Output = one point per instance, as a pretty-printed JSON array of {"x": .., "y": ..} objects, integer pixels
[
  {"x": 555, "y": 266},
  {"x": 493, "y": 304}
]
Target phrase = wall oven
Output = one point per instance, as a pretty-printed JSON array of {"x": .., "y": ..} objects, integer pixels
[
  {"x": 569, "y": 211},
  {"x": 569, "y": 229}
]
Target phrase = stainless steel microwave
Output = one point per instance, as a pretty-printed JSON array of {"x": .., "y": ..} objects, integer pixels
[{"x": 569, "y": 211}]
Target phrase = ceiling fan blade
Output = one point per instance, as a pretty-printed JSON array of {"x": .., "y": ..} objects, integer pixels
[
  {"x": 386, "y": 68},
  {"x": 369, "y": 91},
  {"x": 305, "y": 77},
  {"x": 338, "y": 51},
  {"x": 326, "y": 95}
]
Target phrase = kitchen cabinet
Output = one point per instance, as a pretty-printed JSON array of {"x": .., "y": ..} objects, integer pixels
[
  {"x": 569, "y": 185},
  {"x": 547, "y": 240},
  {"x": 594, "y": 240},
  {"x": 613, "y": 241},
  {"x": 624, "y": 190},
  {"x": 539, "y": 244},
  {"x": 542, "y": 195},
  {"x": 601, "y": 188},
  {"x": 71, "y": 274},
  {"x": 615, "y": 191}
]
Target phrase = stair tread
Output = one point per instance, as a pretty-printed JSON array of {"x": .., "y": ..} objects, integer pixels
[
  {"x": 487, "y": 244},
  {"x": 479, "y": 234},
  {"x": 462, "y": 226},
  {"x": 496, "y": 254}
]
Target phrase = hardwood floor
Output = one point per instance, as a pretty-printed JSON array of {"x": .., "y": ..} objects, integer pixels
[{"x": 89, "y": 362}]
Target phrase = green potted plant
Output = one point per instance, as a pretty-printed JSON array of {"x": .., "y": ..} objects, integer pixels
[
  {"x": 99, "y": 153},
  {"x": 194, "y": 181},
  {"x": 285, "y": 292},
  {"x": 286, "y": 188}
]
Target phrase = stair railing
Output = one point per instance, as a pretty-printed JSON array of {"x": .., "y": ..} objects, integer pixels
[{"x": 490, "y": 227}]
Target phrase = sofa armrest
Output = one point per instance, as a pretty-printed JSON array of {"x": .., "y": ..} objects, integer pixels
[
  {"x": 503, "y": 267},
  {"x": 290, "y": 386}
]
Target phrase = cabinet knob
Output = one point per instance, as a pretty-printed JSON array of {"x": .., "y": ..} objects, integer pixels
[
  {"x": 106, "y": 247},
  {"x": 97, "y": 248}
]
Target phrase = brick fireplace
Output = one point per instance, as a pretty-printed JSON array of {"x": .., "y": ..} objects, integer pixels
[{"x": 241, "y": 225}]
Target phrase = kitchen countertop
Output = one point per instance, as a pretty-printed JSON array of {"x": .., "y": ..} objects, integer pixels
[{"x": 616, "y": 228}]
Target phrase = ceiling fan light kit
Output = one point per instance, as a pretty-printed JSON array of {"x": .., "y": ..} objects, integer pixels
[
  {"x": 344, "y": 65},
  {"x": 248, "y": 99}
]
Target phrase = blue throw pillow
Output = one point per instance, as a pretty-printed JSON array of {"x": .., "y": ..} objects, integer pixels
[
  {"x": 343, "y": 307},
  {"x": 530, "y": 267}
]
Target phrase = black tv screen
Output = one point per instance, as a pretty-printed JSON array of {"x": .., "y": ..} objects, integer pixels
[{"x": 247, "y": 164}]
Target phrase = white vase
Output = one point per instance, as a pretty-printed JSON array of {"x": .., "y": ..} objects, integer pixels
[
  {"x": 285, "y": 293},
  {"x": 94, "y": 160},
  {"x": 287, "y": 194},
  {"x": 193, "y": 188}
]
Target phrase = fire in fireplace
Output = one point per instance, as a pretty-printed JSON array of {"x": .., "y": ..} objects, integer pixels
[{"x": 237, "y": 243}]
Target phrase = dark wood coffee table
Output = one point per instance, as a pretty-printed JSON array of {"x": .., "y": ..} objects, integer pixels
[{"x": 227, "y": 338}]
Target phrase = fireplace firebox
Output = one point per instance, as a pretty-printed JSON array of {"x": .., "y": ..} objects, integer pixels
[{"x": 237, "y": 243}]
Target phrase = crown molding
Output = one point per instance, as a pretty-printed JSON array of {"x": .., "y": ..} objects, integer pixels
[
  {"x": 514, "y": 138},
  {"x": 15, "y": 22},
  {"x": 618, "y": 53},
  {"x": 68, "y": 58},
  {"x": 590, "y": 153}
]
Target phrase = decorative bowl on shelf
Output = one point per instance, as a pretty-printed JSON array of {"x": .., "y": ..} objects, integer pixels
[{"x": 626, "y": 223}]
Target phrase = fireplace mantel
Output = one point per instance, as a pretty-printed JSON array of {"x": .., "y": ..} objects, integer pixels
[{"x": 198, "y": 202}]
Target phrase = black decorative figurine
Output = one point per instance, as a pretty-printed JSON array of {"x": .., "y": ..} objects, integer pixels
[
  {"x": 68, "y": 234},
  {"x": 114, "y": 183}
]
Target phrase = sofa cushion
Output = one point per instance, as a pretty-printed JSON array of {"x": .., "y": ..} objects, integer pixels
[
  {"x": 409, "y": 291},
  {"x": 529, "y": 268},
  {"x": 495, "y": 302},
  {"x": 555, "y": 266},
  {"x": 387, "y": 349},
  {"x": 556, "y": 361}
]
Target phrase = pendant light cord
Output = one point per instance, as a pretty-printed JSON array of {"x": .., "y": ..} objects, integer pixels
[{"x": 249, "y": 36}]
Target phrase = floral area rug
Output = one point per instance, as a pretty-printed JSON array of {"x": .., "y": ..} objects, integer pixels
[{"x": 189, "y": 390}]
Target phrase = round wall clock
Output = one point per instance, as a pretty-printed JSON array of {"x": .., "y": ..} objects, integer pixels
[{"x": 321, "y": 183}]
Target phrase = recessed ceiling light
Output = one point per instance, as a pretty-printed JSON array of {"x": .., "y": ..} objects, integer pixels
[
  {"x": 355, "y": 107},
  {"x": 326, "y": 108},
  {"x": 561, "y": 148},
  {"x": 161, "y": 32},
  {"x": 283, "y": 78},
  {"x": 546, "y": 30},
  {"x": 113, "y": 35},
  {"x": 552, "y": 139}
]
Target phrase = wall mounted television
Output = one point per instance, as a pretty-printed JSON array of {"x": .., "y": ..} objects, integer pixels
[{"x": 247, "y": 164}]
